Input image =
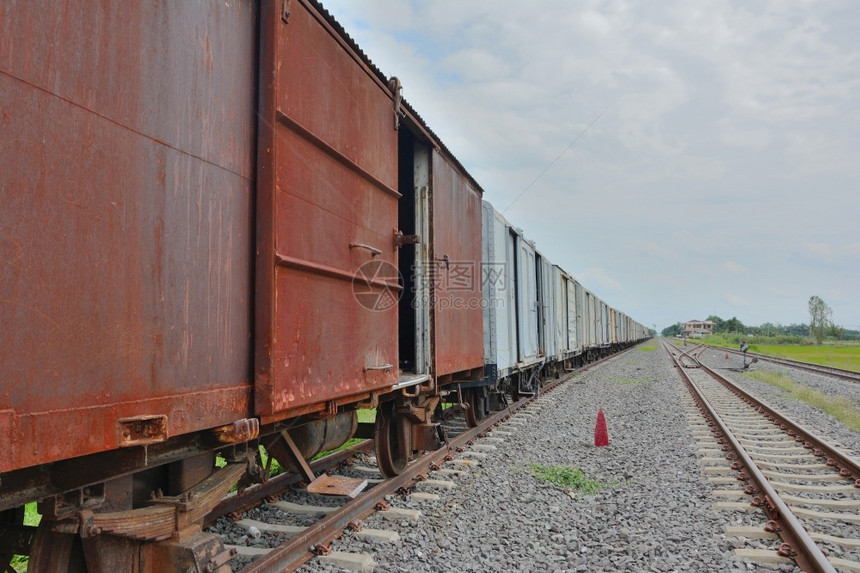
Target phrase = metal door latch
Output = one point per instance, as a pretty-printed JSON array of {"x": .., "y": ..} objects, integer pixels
[{"x": 400, "y": 239}]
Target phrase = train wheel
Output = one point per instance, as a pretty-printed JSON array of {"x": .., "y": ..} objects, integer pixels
[
  {"x": 54, "y": 552},
  {"x": 393, "y": 440},
  {"x": 477, "y": 406}
]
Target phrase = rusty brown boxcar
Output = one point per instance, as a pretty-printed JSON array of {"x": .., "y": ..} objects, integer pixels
[
  {"x": 327, "y": 211},
  {"x": 127, "y": 229},
  {"x": 219, "y": 222},
  {"x": 127, "y": 223}
]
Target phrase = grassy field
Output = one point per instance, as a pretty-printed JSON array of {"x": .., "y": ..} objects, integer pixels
[
  {"x": 843, "y": 355},
  {"x": 841, "y": 408}
]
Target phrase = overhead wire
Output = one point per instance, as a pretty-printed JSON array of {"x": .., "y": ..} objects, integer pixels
[{"x": 553, "y": 162}]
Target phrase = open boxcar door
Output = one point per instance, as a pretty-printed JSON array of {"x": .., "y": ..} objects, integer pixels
[{"x": 327, "y": 278}]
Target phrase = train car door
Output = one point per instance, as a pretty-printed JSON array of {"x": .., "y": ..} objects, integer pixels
[
  {"x": 573, "y": 343},
  {"x": 527, "y": 301},
  {"x": 327, "y": 209},
  {"x": 456, "y": 253},
  {"x": 414, "y": 328}
]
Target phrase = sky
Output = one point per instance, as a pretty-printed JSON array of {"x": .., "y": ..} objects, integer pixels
[{"x": 680, "y": 159}]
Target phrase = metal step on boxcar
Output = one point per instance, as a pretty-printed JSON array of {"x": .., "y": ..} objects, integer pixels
[{"x": 408, "y": 379}]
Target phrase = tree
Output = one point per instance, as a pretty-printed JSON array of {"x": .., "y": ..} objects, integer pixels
[
  {"x": 718, "y": 322},
  {"x": 836, "y": 331},
  {"x": 733, "y": 325},
  {"x": 819, "y": 318},
  {"x": 673, "y": 330}
]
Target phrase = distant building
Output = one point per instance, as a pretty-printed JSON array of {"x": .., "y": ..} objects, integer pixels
[{"x": 697, "y": 328}]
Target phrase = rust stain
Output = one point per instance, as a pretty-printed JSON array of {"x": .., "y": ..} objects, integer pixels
[
  {"x": 108, "y": 157},
  {"x": 11, "y": 251}
]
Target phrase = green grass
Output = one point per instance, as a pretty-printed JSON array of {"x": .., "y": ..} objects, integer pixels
[
  {"x": 568, "y": 478},
  {"x": 845, "y": 355},
  {"x": 648, "y": 346},
  {"x": 733, "y": 339},
  {"x": 841, "y": 408},
  {"x": 32, "y": 518},
  {"x": 367, "y": 415},
  {"x": 19, "y": 563}
]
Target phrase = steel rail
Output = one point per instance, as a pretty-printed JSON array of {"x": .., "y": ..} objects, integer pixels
[
  {"x": 847, "y": 465},
  {"x": 254, "y": 495},
  {"x": 808, "y": 555},
  {"x": 301, "y": 548}
]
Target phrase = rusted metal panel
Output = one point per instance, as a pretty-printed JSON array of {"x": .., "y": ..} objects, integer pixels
[
  {"x": 327, "y": 282},
  {"x": 126, "y": 228},
  {"x": 456, "y": 229}
]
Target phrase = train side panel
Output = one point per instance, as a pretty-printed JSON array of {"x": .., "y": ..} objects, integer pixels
[
  {"x": 573, "y": 335},
  {"x": 327, "y": 277},
  {"x": 527, "y": 300},
  {"x": 546, "y": 310},
  {"x": 604, "y": 324},
  {"x": 559, "y": 312},
  {"x": 500, "y": 327},
  {"x": 126, "y": 228},
  {"x": 456, "y": 273}
]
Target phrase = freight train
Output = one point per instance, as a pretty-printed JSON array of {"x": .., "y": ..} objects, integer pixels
[{"x": 222, "y": 228}]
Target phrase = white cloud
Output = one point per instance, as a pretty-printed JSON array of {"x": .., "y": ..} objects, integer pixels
[
  {"x": 732, "y": 267},
  {"x": 736, "y": 300},
  {"x": 728, "y": 130},
  {"x": 817, "y": 249}
]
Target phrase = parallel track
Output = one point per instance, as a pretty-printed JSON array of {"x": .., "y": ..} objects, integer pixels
[
  {"x": 839, "y": 373},
  {"x": 773, "y": 455}
]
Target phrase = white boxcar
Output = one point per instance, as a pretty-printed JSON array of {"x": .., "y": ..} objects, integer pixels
[
  {"x": 549, "y": 339},
  {"x": 574, "y": 345},
  {"x": 584, "y": 322},
  {"x": 498, "y": 278},
  {"x": 517, "y": 331},
  {"x": 527, "y": 299},
  {"x": 604, "y": 324},
  {"x": 565, "y": 314}
]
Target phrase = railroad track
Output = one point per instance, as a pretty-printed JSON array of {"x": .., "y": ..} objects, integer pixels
[
  {"x": 291, "y": 527},
  {"x": 311, "y": 522},
  {"x": 808, "y": 366},
  {"x": 808, "y": 489},
  {"x": 280, "y": 526}
]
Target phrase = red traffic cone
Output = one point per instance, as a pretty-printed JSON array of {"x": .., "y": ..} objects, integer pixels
[{"x": 601, "y": 433}]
